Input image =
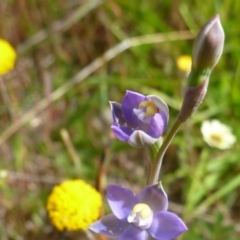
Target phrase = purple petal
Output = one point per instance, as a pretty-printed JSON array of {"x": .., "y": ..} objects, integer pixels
[
  {"x": 109, "y": 226},
  {"x": 117, "y": 113},
  {"x": 140, "y": 139},
  {"x": 121, "y": 201},
  {"x": 166, "y": 226},
  {"x": 122, "y": 133},
  {"x": 162, "y": 106},
  {"x": 130, "y": 101},
  {"x": 134, "y": 233},
  {"x": 157, "y": 125},
  {"x": 155, "y": 197}
]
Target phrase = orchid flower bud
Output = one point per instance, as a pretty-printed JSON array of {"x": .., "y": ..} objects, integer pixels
[
  {"x": 208, "y": 45},
  {"x": 207, "y": 50},
  {"x": 192, "y": 99}
]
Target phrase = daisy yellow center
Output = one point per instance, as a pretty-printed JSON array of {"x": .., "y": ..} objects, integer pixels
[
  {"x": 141, "y": 215},
  {"x": 73, "y": 205},
  {"x": 216, "y": 138}
]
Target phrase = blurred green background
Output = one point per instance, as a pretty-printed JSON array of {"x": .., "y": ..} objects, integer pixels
[{"x": 54, "y": 110}]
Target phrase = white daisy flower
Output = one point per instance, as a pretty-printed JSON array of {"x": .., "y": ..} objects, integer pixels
[{"x": 218, "y": 135}]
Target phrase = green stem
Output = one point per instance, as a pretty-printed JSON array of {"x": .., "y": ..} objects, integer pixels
[{"x": 155, "y": 170}]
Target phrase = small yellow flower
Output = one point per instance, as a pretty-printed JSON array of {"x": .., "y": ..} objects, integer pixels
[
  {"x": 7, "y": 57},
  {"x": 184, "y": 63},
  {"x": 73, "y": 205},
  {"x": 218, "y": 135}
]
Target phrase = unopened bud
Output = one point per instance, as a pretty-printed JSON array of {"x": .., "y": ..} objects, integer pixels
[
  {"x": 207, "y": 50},
  {"x": 192, "y": 99},
  {"x": 208, "y": 45}
]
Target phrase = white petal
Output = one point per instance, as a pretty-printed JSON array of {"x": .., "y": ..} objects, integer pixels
[
  {"x": 217, "y": 134},
  {"x": 160, "y": 104},
  {"x": 140, "y": 139}
]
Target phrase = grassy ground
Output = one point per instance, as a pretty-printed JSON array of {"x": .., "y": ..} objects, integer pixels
[{"x": 54, "y": 111}]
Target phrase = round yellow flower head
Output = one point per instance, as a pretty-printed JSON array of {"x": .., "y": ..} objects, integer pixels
[
  {"x": 7, "y": 57},
  {"x": 73, "y": 205},
  {"x": 184, "y": 63}
]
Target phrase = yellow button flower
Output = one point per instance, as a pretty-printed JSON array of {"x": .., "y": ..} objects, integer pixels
[
  {"x": 7, "y": 57},
  {"x": 73, "y": 205},
  {"x": 184, "y": 63}
]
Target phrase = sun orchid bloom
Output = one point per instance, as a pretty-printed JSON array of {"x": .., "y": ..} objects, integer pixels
[
  {"x": 136, "y": 217},
  {"x": 140, "y": 120}
]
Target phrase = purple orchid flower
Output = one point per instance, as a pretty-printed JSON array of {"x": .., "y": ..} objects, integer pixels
[
  {"x": 137, "y": 217},
  {"x": 140, "y": 120}
]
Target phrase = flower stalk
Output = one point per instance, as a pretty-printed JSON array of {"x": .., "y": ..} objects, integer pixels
[
  {"x": 207, "y": 50},
  {"x": 156, "y": 167}
]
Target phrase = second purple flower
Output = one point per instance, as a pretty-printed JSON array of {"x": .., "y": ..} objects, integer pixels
[
  {"x": 137, "y": 217},
  {"x": 140, "y": 120}
]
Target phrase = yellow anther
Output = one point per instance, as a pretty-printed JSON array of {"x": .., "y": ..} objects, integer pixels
[
  {"x": 151, "y": 108},
  {"x": 144, "y": 104},
  {"x": 143, "y": 209}
]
